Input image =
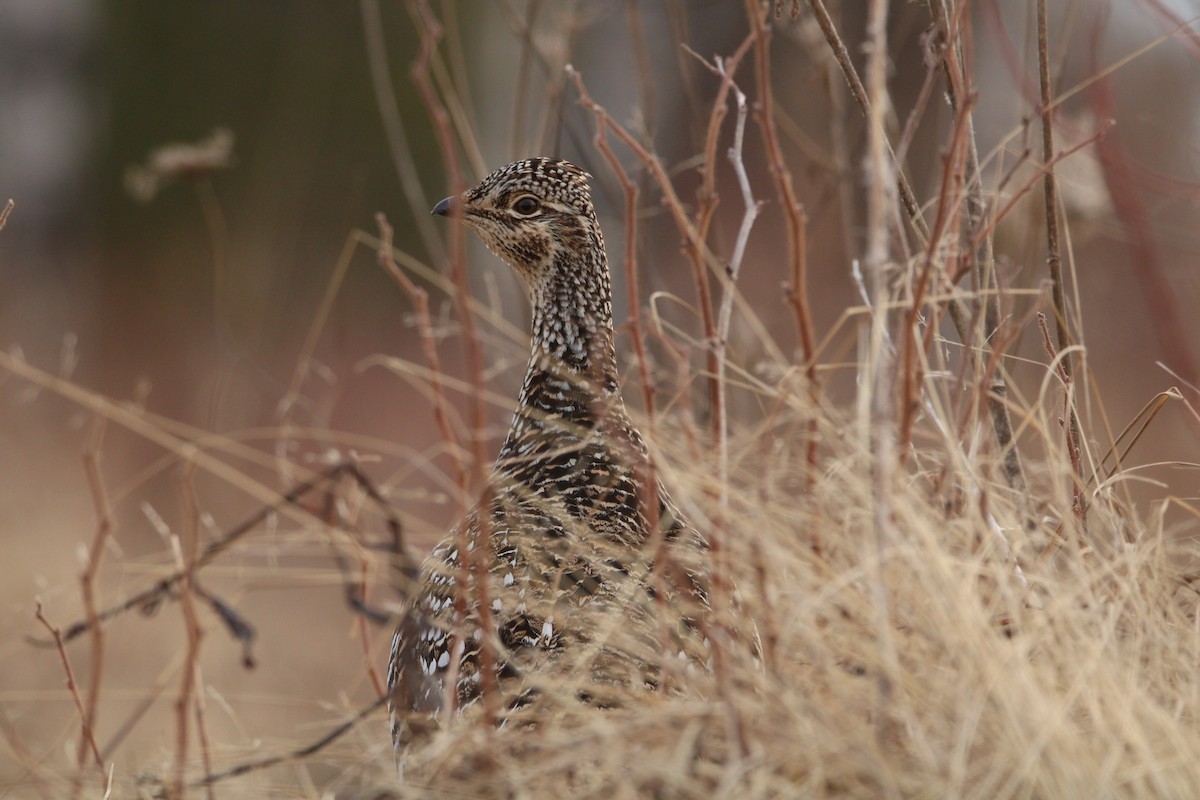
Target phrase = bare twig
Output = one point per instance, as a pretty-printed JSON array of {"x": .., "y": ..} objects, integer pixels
[
  {"x": 186, "y": 549},
  {"x": 420, "y": 299},
  {"x": 940, "y": 247},
  {"x": 707, "y": 194},
  {"x": 797, "y": 227},
  {"x": 30, "y": 763},
  {"x": 1054, "y": 261},
  {"x": 393, "y": 127},
  {"x": 431, "y": 35},
  {"x": 87, "y": 581},
  {"x": 1059, "y": 360},
  {"x": 516, "y": 144},
  {"x": 907, "y": 196},
  {"x": 880, "y": 179},
  {"x": 725, "y": 314},
  {"x": 1003, "y": 211},
  {"x": 641, "y": 55},
  {"x": 722, "y": 587},
  {"x": 300, "y": 753},
  {"x": 202, "y": 728},
  {"x": 796, "y": 218},
  {"x": 150, "y": 599},
  {"x": 1050, "y": 186},
  {"x": 699, "y": 255},
  {"x": 1126, "y": 188},
  {"x": 86, "y": 734},
  {"x": 951, "y": 32}
]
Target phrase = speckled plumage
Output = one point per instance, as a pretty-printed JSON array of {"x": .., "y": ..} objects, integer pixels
[{"x": 567, "y": 534}]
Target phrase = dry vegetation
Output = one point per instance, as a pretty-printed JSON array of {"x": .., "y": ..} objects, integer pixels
[{"x": 943, "y": 588}]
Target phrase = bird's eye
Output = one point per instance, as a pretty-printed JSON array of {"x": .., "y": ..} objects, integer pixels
[{"x": 526, "y": 206}]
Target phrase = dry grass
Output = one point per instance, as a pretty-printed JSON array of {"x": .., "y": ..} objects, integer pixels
[{"x": 942, "y": 588}]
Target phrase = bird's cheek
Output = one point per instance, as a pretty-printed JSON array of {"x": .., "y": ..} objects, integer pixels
[{"x": 531, "y": 252}]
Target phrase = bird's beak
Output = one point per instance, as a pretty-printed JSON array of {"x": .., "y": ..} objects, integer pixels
[{"x": 447, "y": 207}]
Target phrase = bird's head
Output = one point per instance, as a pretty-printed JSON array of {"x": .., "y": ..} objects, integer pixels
[{"x": 536, "y": 215}]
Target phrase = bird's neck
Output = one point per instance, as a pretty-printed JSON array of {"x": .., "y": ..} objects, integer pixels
[
  {"x": 570, "y": 425},
  {"x": 572, "y": 339}
]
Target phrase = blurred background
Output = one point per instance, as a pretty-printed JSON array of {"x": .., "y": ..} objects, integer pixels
[{"x": 198, "y": 304}]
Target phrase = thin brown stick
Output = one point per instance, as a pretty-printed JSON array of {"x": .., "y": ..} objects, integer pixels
[
  {"x": 708, "y": 200},
  {"x": 31, "y": 764},
  {"x": 722, "y": 583},
  {"x": 632, "y": 280},
  {"x": 641, "y": 57},
  {"x": 998, "y": 216},
  {"x": 425, "y": 331},
  {"x": 516, "y": 143},
  {"x": 202, "y": 728},
  {"x": 299, "y": 753},
  {"x": 699, "y": 256},
  {"x": 881, "y": 176},
  {"x": 647, "y": 469},
  {"x": 706, "y": 208},
  {"x": 794, "y": 214},
  {"x": 431, "y": 35},
  {"x": 916, "y": 114},
  {"x": 954, "y": 31},
  {"x": 162, "y": 589},
  {"x": 4, "y": 212},
  {"x": 86, "y": 732},
  {"x": 797, "y": 227},
  {"x": 1059, "y": 359},
  {"x": 947, "y": 212},
  {"x": 842, "y": 56},
  {"x": 87, "y": 581},
  {"x": 393, "y": 127},
  {"x": 186, "y": 548},
  {"x": 1054, "y": 263}
]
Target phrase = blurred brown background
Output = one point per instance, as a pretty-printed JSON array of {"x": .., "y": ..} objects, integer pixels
[{"x": 196, "y": 305}]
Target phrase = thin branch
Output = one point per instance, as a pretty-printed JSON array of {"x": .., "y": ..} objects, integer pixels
[
  {"x": 1054, "y": 262},
  {"x": 952, "y": 31},
  {"x": 420, "y": 299},
  {"x": 722, "y": 584},
  {"x": 699, "y": 255},
  {"x": 186, "y": 549},
  {"x": 881, "y": 176},
  {"x": 842, "y": 56},
  {"x": 1059, "y": 360},
  {"x": 393, "y": 128},
  {"x": 86, "y": 733},
  {"x": 725, "y": 315},
  {"x": 431, "y": 34},
  {"x": 795, "y": 216},
  {"x": 797, "y": 227},
  {"x": 87, "y": 581},
  {"x": 151, "y": 598},
  {"x": 298, "y": 754}
]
